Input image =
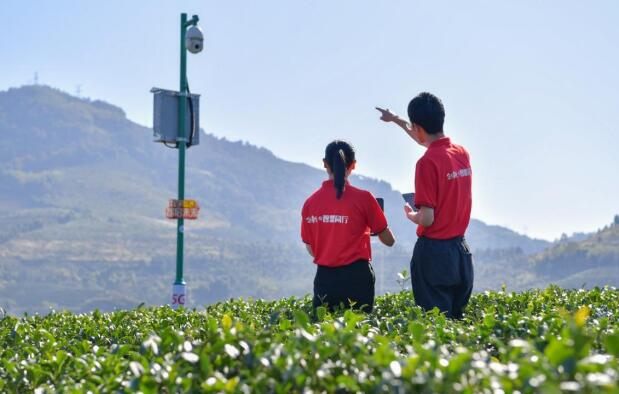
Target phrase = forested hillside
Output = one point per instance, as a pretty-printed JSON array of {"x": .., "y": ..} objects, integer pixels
[
  {"x": 593, "y": 261},
  {"x": 82, "y": 197}
]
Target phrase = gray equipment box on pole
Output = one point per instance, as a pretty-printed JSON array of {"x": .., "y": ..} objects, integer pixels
[{"x": 165, "y": 117}]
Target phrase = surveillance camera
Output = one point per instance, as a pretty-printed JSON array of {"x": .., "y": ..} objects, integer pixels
[{"x": 194, "y": 39}]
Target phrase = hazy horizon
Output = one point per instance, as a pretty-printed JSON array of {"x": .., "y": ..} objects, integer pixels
[{"x": 530, "y": 89}]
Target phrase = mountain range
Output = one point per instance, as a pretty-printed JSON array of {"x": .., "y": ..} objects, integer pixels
[{"x": 83, "y": 192}]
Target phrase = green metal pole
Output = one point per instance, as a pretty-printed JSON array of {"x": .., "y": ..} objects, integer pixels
[{"x": 181, "y": 152}]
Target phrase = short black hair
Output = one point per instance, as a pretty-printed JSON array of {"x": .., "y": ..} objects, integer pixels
[{"x": 427, "y": 111}]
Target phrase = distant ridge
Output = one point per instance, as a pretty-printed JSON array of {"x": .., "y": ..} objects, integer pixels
[
  {"x": 70, "y": 137},
  {"x": 82, "y": 193},
  {"x": 593, "y": 261}
]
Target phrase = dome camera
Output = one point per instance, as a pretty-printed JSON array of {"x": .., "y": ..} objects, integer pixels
[{"x": 194, "y": 39}]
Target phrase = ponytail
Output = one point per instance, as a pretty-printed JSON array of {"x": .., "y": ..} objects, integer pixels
[
  {"x": 339, "y": 155},
  {"x": 339, "y": 171}
]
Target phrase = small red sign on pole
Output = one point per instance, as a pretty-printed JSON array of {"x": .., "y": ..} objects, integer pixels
[{"x": 182, "y": 209}]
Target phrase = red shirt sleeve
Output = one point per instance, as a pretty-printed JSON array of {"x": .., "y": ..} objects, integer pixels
[
  {"x": 426, "y": 183},
  {"x": 305, "y": 228},
  {"x": 375, "y": 217}
]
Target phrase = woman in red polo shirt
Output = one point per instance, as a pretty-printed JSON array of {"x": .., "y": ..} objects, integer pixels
[{"x": 337, "y": 220}]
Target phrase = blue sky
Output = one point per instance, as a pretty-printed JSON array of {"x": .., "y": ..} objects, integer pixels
[{"x": 530, "y": 88}]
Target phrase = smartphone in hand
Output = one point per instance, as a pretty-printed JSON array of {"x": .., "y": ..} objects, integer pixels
[
  {"x": 410, "y": 199},
  {"x": 381, "y": 203}
]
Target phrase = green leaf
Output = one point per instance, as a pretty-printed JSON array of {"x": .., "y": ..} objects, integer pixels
[
  {"x": 558, "y": 352},
  {"x": 301, "y": 318},
  {"x": 611, "y": 342}
]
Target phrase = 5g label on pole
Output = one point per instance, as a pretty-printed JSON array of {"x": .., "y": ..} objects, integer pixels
[{"x": 179, "y": 295}]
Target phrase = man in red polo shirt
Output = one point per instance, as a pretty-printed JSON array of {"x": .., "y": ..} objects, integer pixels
[{"x": 442, "y": 264}]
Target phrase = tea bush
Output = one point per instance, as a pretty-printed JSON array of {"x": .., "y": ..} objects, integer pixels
[{"x": 550, "y": 340}]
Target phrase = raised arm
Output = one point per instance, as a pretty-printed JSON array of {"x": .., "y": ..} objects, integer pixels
[{"x": 388, "y": 116}]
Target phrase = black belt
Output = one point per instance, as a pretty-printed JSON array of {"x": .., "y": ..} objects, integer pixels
[
  {"x": 351, "y": 265},
  {"x": 426, "y": 239}
]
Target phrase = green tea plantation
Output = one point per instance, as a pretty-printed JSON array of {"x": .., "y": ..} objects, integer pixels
[{"x": 547, "y": 341}]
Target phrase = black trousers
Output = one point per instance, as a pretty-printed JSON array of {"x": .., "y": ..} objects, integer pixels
[
  {"x": 442, "y": 275},
  {"x": 350, "y": 286}
]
